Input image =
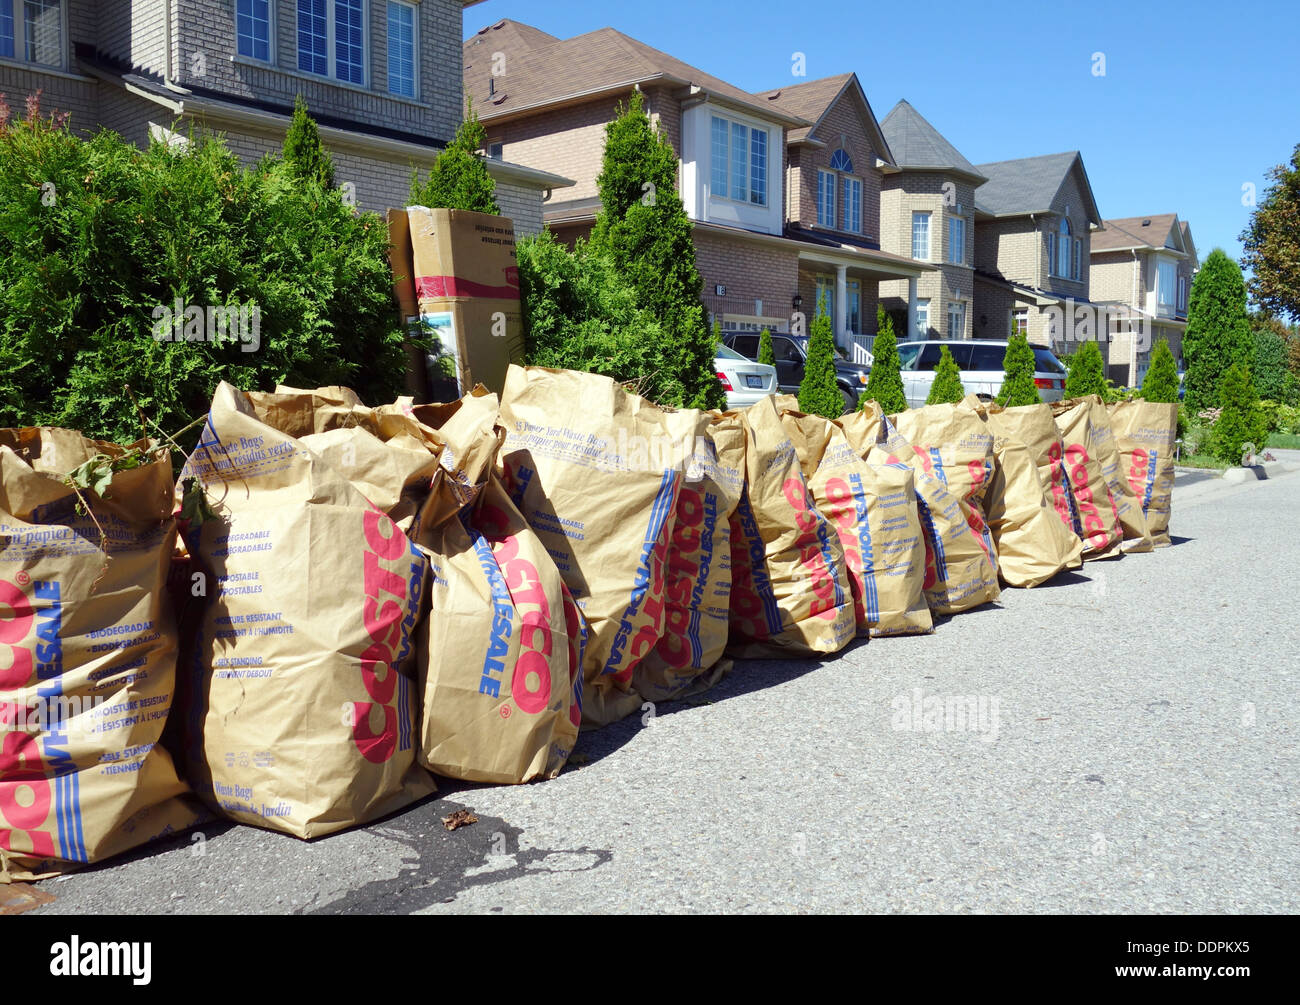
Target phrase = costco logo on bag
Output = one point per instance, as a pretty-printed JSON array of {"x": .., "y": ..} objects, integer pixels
[{"x": 40, "y": 796}]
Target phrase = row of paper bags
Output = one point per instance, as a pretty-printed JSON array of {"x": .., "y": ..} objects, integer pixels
[{"x": 368, "y": 595}]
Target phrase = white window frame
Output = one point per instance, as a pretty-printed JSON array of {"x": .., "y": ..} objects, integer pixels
[
  {"x": 331, "y": 60},
  {"x": 1172, "y": 267},
  {"x": 1064, "y": 235},
  {"x": 956, "y": 248},
  {"x": 826, "y": 283},
  {"x": 922, "y": 318},
  {"x": 826, "y": 182},
  {"x": 929, "y": 235},
  {"x": 853, "y": 307},
  {"x": 1016, "y": 314},
  {"x": 1182, "y": 293},
  {"x": 20, "y": 37},
  {"x": 271, "y": 6},
  {"x": 852, "y": 184},
  {"x": 414, "y": 8},
  {"x": 960, "y": 307},
  {"x": 728, "y": 191}
]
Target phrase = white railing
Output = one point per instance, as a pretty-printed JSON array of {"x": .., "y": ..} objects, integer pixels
[{"x": 862, "y": 349}]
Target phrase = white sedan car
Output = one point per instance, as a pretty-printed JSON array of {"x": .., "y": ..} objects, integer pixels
[{"x": 745, "y": 381}]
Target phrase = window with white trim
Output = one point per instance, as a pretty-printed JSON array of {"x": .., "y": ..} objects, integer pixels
[
  {"x": 853, "y": 308},
  {"x": 921, "y": 236},
  {"x": 402, "y": 21},
  {"x": 1020, "y": 321},
  {"x": 922, "y": 319},
  {"x": 853, "y": 205},
  {"x": 1063, "y": 250},
  {"x": 36, "y": 36},
  {"x": 1182, "y": 293},
  {"x": 738, "y": 161},
  {"x": 825, "y": 297},
  {"x": 825, "y": 198},
  {"x": 957, "y": 240},
  {"x": 252, "y": 29},
  {"x": 1165, "y": 285},
  {"x": 956, "y": 319},
  {"x": 331, "y": 39}
]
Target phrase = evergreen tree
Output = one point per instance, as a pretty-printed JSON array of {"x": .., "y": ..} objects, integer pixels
[
  {"x": 643, "y": 227},
  {"x": 459, "y": 178},
  {"x": 947, "y": 387},
  {"x": 766, "y": 354},
  {"x": 1018, "y": 367},
  {"x": 819, "y": 394},
  {"x": 1270, "y": 361},
  {"x": 885, "y": 383},
  {"x": 1218, "y": 329},
  {"x": 303, "y": 154},
  {"x": 1161, "y": 381},
  {"x": 1087, "y": 372},
  {"x": 1241, "y": 420}
]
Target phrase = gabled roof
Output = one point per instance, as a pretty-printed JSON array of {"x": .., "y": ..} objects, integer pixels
[
  {"x": 1030, "y": 184},
  {"x": 918, "y": 146},
  {"x": 542, "y": 71},
  {"x": 811, "y": 101},
  {"x": 1158, "y": 231}
]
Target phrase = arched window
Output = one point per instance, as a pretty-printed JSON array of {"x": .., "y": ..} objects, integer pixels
[{"x": 841, "y": 161}]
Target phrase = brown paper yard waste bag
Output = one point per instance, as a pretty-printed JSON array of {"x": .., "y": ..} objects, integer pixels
[
  {"x": 960, "y": 572},
  {"x": 87, "y": 653},
  {"x": 689, "y": 657},
  {"x": 1102, "y": 532},
  {"x": 1145, "y": 433},
  {"x": 304, "y": 718},
  {"x": 467, "y": 284},
  {"x": 499, "y": 652},
  {"x": 1128, "y": 507},
  {"x": 1034, "y": 426},
  {"x": 790, "y": 591},
  {"x": 873, "y": 510},
  {"x": 596, "y": 472},
  {"x": 1033, "y": 545}
]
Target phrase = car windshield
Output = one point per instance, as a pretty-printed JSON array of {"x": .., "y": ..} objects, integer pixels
[
  {"x": 907, "y": 355},
  {"x": 1047, "y": 362}
]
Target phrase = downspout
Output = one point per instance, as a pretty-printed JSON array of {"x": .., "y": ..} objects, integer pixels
[
  {"x": 167, "y": 41},
  {"x": 1132, "y": 336}
]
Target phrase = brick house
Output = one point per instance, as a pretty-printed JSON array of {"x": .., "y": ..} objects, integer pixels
[
  {"x": 379, "y": 77},
  {"x": 749, "y": 166},
  {"x": 1143, "y": 267},
  {"x": 927, "y": 211},
  {"x": 1033, "y": 224}
]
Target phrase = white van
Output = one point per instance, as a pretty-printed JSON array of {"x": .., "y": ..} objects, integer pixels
[{"x": 981, "y": 364}]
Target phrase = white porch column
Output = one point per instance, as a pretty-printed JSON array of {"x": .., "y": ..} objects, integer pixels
[
  {"x": 911, "y": 309},
  {"x": 842, "y": 307}
]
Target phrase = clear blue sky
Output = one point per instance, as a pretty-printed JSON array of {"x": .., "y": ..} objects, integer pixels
[{"x": 1198, "y": 98}]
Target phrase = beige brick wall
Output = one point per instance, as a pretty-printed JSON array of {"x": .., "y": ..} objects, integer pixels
[
  {"x": 566, "y": 141},
  {"x": 1111, "y": 277},
  {"x": 749, "y": 270}
]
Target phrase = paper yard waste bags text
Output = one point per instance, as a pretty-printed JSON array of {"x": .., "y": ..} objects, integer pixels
[
  {"x": 1145, "y": 432},
  {"x": 1102, "y": 532},
  {"x": 87, "y": 652},
  {"x": 499, "y": 653},
  {"x": 1034, "y": 426},
  {"x": 790, "y": 587},
  {"x": 1033, "y": 545},
  {"x": 1128, "y": 505},
  {"x": 596, "y": 471},
  {"x": 960, "y": 572},
  {"x": 304, "y": 718},
  {"x": 873, "y": 509},
  {"x": 697, "y": 593}
]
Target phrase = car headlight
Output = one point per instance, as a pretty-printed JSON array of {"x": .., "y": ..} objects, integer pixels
[{"x": 862, "y": 378}]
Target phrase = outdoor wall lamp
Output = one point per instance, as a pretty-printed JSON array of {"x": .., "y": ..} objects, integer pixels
[{"x": 798, "y": 301}]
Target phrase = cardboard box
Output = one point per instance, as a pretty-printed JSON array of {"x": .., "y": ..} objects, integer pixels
[{"x": 466, "y": 288}]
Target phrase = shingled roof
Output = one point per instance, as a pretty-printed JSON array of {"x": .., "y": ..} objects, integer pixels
[
  {"x": 541, "y": 71},
  {"x": 812, "y": 100},
  {"x": 918, "y": 146},
  {"x": 1029, "y": 185},
  {"x": 1159, "y": 231}
]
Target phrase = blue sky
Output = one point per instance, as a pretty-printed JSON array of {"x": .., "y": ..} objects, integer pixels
[{"x": 1198, "y": 99}]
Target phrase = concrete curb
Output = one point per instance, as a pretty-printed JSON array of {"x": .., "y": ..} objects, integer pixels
[{"x": 1256, "y": 472}]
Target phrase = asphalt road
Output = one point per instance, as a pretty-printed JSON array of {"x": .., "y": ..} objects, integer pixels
[{"x": 1135, "y": 751}]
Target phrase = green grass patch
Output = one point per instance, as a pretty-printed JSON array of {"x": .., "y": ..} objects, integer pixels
[
  {"x": 1285, "y": 441},
  {"x": 1202, "y": 461}
]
